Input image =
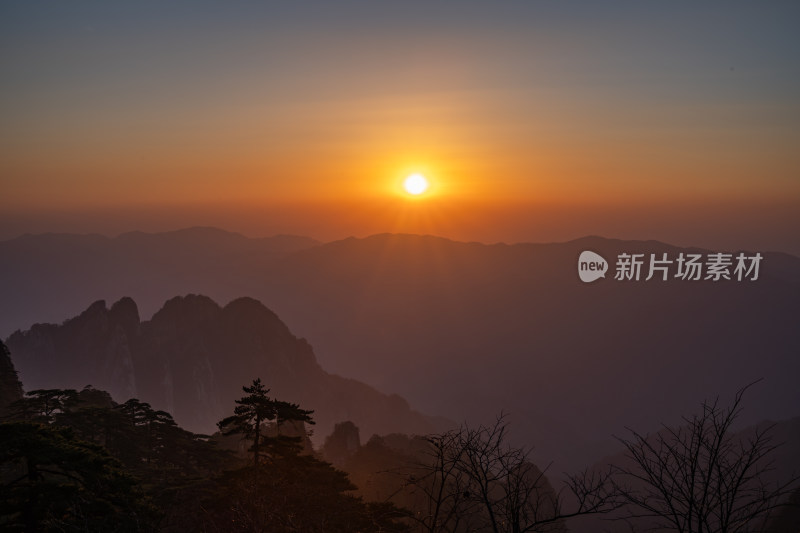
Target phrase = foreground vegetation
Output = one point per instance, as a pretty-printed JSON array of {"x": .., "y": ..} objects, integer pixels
[{"x": 77, "y": 461}]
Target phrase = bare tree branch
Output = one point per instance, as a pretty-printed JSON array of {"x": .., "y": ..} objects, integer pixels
[
  {"x": 476, "y": 481},
  {"x": 701, "y": 477}
]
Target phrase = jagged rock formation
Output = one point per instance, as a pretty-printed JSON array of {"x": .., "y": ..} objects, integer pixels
[
  {"x": 342, "y": 444},
  {"x": 192, "y": 358}
]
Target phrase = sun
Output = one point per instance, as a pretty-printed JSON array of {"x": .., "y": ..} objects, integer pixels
[{"x": 415, "y": 184}]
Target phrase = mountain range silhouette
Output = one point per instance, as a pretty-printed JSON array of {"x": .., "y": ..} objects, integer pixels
[
  {"x": 461, "y": 330},
  {"x": 191, "y": 360}
]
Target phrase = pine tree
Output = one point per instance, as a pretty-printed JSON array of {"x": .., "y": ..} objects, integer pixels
[
  {"x": 43, "y": 405},
  {"x": 254, "y": 412}
]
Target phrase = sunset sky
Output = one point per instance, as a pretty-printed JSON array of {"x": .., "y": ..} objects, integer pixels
[{"x": 533, "y": 121}]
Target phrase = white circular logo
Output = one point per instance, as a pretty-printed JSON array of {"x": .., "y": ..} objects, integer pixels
[{"x": 591, "y": 267}]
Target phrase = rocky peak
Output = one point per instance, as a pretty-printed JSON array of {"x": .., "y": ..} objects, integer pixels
[
  {"x": 126, "y": 313},
  {"x": 187, "y": 312},
  {"x": 95, "y": 317}
]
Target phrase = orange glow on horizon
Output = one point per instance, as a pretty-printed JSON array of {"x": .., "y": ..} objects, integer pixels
[{"x": 513, "y": 128}]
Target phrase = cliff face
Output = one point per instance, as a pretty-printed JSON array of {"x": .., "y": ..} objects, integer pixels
[
  {"x": 10, "y": 387},
  {"x": 94, "y": 348},
  {"x": 192, "y": 360}
]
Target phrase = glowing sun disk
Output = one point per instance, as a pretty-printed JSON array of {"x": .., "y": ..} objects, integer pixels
[{"x": 415, "y": 184}]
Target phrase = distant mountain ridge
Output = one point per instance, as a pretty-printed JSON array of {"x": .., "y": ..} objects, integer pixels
[
  {"x": 466, "y": 330},
  {"x": 51, "y": 276},
  {"x": 192, "y": 359}
]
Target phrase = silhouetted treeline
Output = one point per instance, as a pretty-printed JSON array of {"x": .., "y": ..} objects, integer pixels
[{"x": 77, "y": 461}]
